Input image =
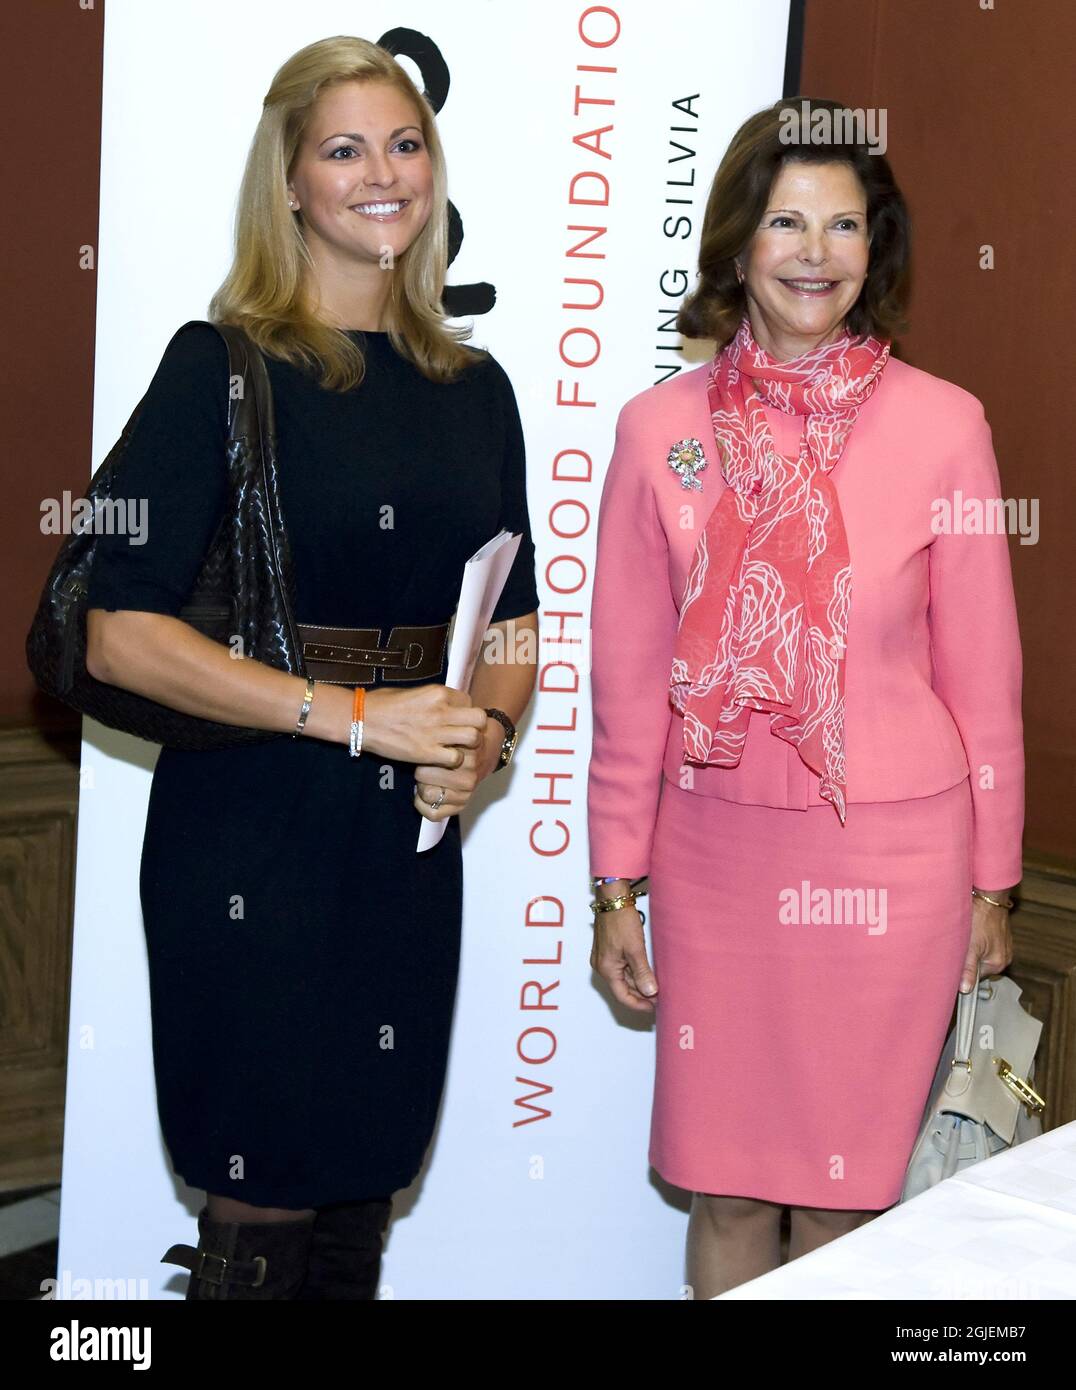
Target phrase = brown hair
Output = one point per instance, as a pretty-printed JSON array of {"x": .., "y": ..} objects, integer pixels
[
  {"x": 738, "y": 197},
  {"x": 266, "y": 290}
]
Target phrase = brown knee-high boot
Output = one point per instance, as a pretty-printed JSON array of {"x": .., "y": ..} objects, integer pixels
[{"x": 345, "y": 1251}]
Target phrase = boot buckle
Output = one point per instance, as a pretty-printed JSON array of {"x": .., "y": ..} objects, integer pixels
[{"x": 215, "y": 1274}]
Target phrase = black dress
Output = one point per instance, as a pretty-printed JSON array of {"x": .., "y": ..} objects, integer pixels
[{"x": 302, "y": 956}]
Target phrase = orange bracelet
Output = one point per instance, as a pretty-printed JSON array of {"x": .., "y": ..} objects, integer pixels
[{"x": 358, "y": 707}]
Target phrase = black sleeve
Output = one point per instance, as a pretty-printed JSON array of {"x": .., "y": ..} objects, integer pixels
[
  {"x": 520, "y": 594},
  {"x": 173, "y": 477}
]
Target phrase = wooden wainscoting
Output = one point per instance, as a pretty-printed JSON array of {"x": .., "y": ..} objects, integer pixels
[
  {"x": 39, "y": 779},
  {"x": 1044, "y": 966}
]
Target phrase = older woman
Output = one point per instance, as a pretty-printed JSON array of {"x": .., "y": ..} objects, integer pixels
[
  {"x": 806, "y": 693},
  {"x": 302, "y": 955}
]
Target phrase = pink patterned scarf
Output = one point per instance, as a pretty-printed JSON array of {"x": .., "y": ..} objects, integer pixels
[{"x": 765, "y": 609}]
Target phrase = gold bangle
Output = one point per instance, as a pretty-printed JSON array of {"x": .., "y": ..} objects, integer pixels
[
  {"x": 997, "y": 902},
  {"x": 611, "y": 904}
]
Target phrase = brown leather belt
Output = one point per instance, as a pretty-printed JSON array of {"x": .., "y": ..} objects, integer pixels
[{"x": 354, "y": 656}]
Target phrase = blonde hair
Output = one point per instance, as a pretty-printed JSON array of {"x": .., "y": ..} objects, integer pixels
[{"x": 266, "y": 291}]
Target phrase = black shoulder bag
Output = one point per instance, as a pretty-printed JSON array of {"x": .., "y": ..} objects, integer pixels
[{"x": 244, "y": 589}]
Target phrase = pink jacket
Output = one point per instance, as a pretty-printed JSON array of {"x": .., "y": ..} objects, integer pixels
[{"x": 933, "y": 666}]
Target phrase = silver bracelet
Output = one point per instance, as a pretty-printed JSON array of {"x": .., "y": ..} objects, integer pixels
[{"x": 307, "y": 698}]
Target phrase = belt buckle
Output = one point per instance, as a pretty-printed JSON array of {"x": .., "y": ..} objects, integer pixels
[
  {"x": 401, "y": 658},
  {"x": 408, "y": 664}
]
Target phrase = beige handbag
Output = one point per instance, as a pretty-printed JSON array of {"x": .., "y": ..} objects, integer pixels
[{"x": 982, "y": 1099}]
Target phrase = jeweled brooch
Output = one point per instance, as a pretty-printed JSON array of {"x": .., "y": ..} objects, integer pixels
[{"x": 687, "y": 459}]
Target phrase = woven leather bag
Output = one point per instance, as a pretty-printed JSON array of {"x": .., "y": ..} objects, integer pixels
[{"x": 244, "y": 588}]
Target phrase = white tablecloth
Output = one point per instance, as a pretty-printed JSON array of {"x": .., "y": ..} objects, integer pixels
[{"x": 1004, "y": 1228}]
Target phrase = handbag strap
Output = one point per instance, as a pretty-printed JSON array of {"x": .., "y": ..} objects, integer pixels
[
  {"x": 965, "y": 1021},
  {"x": 254, "y": 419},
  {"x": 245, "y": 360}
]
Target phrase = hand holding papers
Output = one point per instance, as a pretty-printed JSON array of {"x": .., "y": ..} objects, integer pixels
[{"x": 484, "y": 578}]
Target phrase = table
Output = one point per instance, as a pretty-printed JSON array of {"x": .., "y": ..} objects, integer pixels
[{"x": 1004, "y": 1228}]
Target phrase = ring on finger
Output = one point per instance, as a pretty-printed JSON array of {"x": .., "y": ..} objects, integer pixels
[{"x": 435, "y": 804}]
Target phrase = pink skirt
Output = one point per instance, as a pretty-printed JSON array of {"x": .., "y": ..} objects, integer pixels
[{"x": 807, "y": 977}]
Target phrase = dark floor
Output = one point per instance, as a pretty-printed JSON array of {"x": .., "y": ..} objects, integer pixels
[{"x": 29, "y": 1226}]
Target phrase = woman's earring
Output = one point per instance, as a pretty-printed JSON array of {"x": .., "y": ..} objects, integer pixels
[{"x": 739, "y": 272}]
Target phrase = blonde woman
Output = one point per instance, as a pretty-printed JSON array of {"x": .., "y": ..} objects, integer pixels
[{"x": 302, "y": 955}]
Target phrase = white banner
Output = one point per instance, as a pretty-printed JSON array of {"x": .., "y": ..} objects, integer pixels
[{"x": 565, "y": 126}]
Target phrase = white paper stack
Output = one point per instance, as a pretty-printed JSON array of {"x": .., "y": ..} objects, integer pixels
[{"x": 484, "y": 577}]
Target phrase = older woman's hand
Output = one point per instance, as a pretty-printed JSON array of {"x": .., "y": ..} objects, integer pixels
[
  {"x": 991, "y": 942},
  {"x": 619, "y": 957}
]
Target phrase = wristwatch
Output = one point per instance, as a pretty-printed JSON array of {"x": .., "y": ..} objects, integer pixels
[{"x": 511, "y": 737}]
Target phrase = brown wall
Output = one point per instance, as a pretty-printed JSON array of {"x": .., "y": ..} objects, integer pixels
[
  {"x": 52, "y": 146},
  {"x": 977, "y": 104}
]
